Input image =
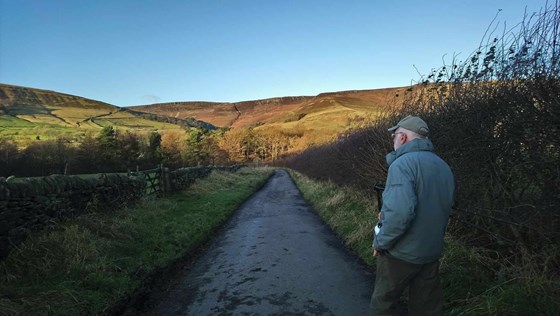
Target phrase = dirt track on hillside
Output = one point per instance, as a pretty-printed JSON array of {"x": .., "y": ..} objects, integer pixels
[{"x": 275, "y": 256}]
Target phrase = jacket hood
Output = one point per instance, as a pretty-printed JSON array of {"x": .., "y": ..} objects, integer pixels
[{"x": 417, "y": 144}]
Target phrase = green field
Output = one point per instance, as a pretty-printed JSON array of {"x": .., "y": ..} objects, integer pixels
[
  {"x": 13, "y": 122},
  {"x": 28, "y": 114},
  {"x": 25, "y": 128},
  {"x": 23, "y": 131}
]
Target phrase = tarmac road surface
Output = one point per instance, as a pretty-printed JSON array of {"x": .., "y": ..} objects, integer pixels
[{"x": 274, "y": 257}]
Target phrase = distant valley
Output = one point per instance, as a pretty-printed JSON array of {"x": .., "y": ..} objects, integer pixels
[{"x": 29, "y": 113}]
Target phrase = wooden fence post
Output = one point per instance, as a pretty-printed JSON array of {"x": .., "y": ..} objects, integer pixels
[{"x": 164, "y": 181}]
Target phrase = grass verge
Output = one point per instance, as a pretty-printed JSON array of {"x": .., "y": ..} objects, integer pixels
[
  {"x": 349, "y": 213},
  {"x": 475, "y": 281},
  {"x": 85, "y": 265}
]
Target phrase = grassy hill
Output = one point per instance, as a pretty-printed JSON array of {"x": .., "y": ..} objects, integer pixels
[
  {"x": 319, "y": 117},
  {"x": 279, "y": 110},
  {"x": 28, "y": 113}
]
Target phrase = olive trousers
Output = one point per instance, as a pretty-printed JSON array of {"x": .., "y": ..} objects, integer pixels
[{"x": 425, "y": 296}]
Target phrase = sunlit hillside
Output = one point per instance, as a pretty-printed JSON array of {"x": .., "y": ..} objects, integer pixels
[
  {"x": 28, "y": 113},
  {"x": 318, "y": 118},
  {"x": 361, "y": 103},
  {"x": 296, "y": 122}
]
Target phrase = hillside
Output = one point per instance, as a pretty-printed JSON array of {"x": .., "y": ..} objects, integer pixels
[
  {"x": 27, "y": 114},
  {"x": 278, "y": 110},
  {"x": 320, "y": 117},
  {"x": 30, "y": 113},
  {"x": 21, "y": 104}
]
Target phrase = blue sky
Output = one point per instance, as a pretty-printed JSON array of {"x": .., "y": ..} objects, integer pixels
[{"x": 141, "y": 52}]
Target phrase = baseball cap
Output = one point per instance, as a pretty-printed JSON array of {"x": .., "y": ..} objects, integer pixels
[{"x": 414, "y": 124}]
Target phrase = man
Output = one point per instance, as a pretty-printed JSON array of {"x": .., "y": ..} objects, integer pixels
[{"x": 417, "y": 202}]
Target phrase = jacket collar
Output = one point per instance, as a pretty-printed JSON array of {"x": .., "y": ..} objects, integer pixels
[{"x": 417, "y": 144}]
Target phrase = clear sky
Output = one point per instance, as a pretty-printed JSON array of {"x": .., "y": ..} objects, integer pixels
[{"x": 130, "y": 52}]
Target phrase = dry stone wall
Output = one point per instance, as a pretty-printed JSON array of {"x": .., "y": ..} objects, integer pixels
[{"x": 31, "y": 204}]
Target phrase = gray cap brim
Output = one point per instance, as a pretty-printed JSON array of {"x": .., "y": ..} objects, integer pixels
[{"x": 392, "y": 129}]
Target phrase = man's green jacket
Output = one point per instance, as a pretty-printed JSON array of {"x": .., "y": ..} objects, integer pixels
[{"x": 417, "y": 201}]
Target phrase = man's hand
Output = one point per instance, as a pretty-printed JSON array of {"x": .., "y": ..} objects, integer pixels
[{"x": 375, "y": 252}]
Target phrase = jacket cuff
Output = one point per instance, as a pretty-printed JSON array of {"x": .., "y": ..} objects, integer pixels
[{"x": 375, "y": 245}]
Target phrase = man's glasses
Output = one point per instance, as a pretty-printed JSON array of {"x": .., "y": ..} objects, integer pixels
[{"x": 395, "y": 134}]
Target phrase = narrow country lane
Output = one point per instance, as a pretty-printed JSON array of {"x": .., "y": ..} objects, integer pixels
[{"x": 275, "y": 257}]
